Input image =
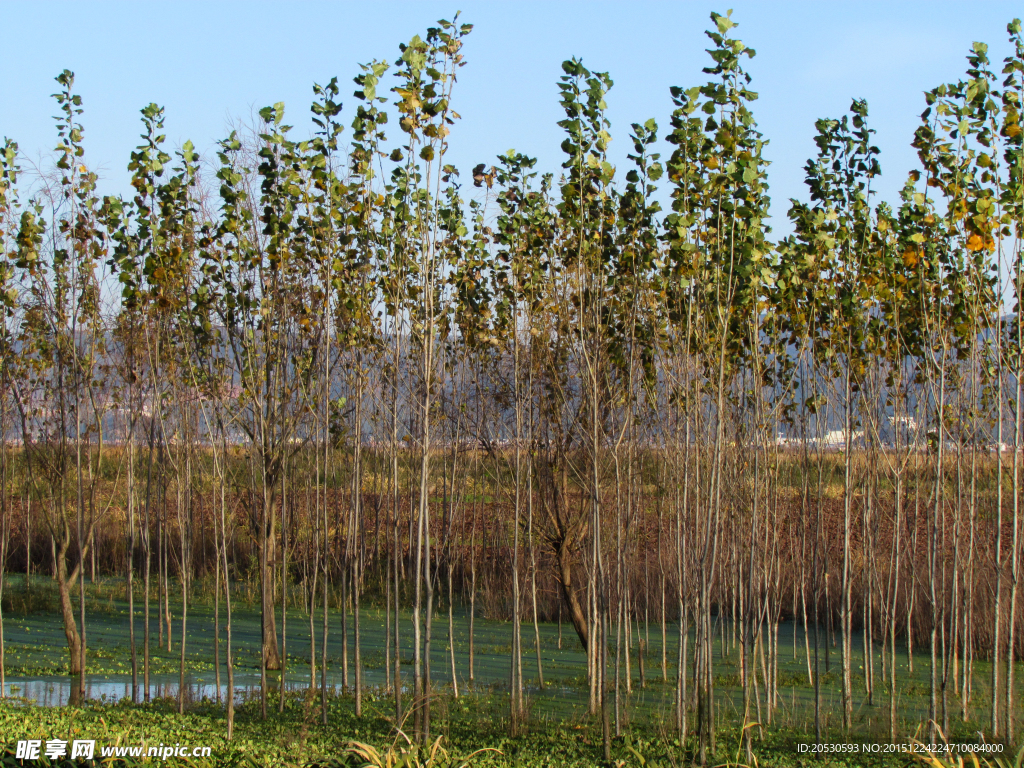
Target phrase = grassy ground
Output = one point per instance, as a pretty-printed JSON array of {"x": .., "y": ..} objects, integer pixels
[
  {"x": 559, "y": 730},
  {"x": 296, "y": 738}
]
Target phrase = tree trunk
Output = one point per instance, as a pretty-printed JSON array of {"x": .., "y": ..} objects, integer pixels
[{"x": 569, "y": 597}]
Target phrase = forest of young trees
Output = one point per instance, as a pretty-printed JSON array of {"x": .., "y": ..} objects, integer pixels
[{"x": 340, "y": 372}]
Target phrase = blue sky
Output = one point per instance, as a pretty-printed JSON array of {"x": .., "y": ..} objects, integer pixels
[{"x": 212, "y": 63}]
